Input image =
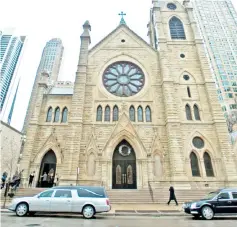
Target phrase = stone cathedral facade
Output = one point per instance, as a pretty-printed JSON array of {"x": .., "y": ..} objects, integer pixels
[{"x": 138, "y": 114}]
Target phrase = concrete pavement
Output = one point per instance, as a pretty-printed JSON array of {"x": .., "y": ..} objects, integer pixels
[{"x": 12, "y": 220}]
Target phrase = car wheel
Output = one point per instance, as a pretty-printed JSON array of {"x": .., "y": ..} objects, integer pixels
[
  {"x": 207, "y": 213},
  {"x": 88, "y": 211},
  {"x": 21, "y": 209}
]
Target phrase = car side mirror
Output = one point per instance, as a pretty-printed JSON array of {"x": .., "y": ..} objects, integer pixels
[{"x": 219, "y": 197}]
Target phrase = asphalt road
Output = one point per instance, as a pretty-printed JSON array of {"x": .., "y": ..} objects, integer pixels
[{"x": 11, "y": 220}]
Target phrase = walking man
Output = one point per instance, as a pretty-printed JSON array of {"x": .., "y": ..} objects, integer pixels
[{"x": 172, "y": 196}]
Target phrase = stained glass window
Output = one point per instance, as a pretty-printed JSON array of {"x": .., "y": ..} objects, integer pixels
[
  {"x": 132, "y": 113},
  {"x": 57, "y": 114},
  {"x": 107, "y": 113},
  {"x": 148, "y": 114},
  {"x": 49, "y": 115},
  {"x": 188, "y": 112},
  {"x": 198, "y": 142},
  {"x": 176, "y": 29},
  {"x": 194, "y": 165},
  {"x": 115, "y": 113},
  {"x": 99, "y": 114},
  {"x": 171, "y": 6},
  {"x": 208, "y": 165},
  {"x": 123, "y": 79},
  {"x": 64, "y": 116},
  {"x": 140, "y": 114},
  {"x": 196, "y": 113}
]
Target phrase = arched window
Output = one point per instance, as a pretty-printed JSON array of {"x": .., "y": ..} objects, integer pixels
[
  {"x": 196, "y": 113},
  {"x": 115, "y": 113},
  {"x": 194, "y": 165},
  {"x": 188, "y": 112},
  {"x": 176, "y": 29},
  {"x": 132, "y": 113},
  {"x": 99, "y": 114},
  {"x": 56, "y": 114},
  {"x": 107, "y": 113},
  {"x": 148, "y": 114},
  {"x": 64, "y": 115},
  {"x": 49, "y": 114},
  {"x": 189, "y": 92},
  {"x": 208, "y": 165},
  {"x": 140, "y": 114}
]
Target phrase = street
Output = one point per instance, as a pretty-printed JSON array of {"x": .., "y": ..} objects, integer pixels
[{"x": 11, "y": 220}]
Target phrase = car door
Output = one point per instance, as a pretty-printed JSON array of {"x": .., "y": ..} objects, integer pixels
[
  {"x": 61, "y": 201},
  {"x": 42, "y": 201},
  {"x": 234, "y": 202},
  {"x": 223, "y": 203}
]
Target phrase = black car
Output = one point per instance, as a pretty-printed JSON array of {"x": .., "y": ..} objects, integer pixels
[{"x": 222, "y": 201}]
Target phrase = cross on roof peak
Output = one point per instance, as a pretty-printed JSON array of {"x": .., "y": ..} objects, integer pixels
[{"x": 122, "y": 21}]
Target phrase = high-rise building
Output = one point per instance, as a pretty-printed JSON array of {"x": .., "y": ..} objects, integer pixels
[
  {"x": 50, "y": 63},
  {"x": 10, "y": 55},
  {"x": 217, "y": 20}
]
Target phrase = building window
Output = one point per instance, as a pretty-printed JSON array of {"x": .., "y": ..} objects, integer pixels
[
  {"x": 176, "y": 29},
  {"x": 49, "y": 114},
  {"x": 198, "y": 142},
  {"x": 56, "y": 114},
  {"x": 196, "y": 113},
  {"x": 132, "y": 113},
  {"x": 107, "y": 113},
  {"x": 148, "y": 114},
  {"x": 189, "y": 93},
  {"x": 115, "y": 113},
  {"x": 194, "y": 165},
  {"x": 208, "y": 165},
  {"x": 188, "y": 112},
  {"x": 99, "y": 114},
  {"x": 140, "y": 114},
  {"x": 64, "y": 115}
]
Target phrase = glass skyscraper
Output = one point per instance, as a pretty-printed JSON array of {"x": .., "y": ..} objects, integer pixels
[
  {"x": 50, "y": 62},
  {"x": 10, "y": 54},
  {"x": 217, "y": 21}
]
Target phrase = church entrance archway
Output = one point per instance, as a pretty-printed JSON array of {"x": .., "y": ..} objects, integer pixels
[
  {"x": 124, "y": 171},
  {"x": 47, "y": 170}
]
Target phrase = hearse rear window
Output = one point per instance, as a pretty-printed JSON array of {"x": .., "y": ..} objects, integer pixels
[{"x": 92, "y": 193}]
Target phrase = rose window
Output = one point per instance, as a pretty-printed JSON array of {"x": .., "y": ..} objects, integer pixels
[{"x": 123, "y": 79}]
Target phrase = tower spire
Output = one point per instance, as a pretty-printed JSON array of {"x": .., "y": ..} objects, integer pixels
[{"x": 122, "y": 21}]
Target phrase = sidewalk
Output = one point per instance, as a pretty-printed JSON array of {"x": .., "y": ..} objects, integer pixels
[{"x": 139, "y": 210}]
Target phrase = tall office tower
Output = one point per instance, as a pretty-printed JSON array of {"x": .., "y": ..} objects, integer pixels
[
  {"x": 217, "y": 20},
  {"x": 11, "y": 50},
  {"x": 50, "y": 63}
]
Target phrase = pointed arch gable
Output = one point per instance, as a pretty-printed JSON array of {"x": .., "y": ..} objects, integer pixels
[
  {"x": 208, "y": 144},
  {"x": 50, "y": 144},
  {"x": 180, "y": 80},
  {"x": 131, "y": 139}
]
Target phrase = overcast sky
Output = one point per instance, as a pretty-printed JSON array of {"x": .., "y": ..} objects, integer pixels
[{"x": 41, "y": 20}]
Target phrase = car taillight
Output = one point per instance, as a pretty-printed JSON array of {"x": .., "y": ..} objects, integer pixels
[{"x": 107, "y": 202}]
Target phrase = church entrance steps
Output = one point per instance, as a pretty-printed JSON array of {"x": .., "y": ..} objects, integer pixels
[{"x": 133, "y": 197}]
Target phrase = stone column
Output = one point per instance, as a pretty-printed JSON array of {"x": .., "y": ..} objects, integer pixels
[
  {"x": 32, "y": 130},
  {"x": 75, "y": 121}
]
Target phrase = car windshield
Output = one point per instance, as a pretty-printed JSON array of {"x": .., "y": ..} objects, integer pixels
[{"x": 211, "y": 195}]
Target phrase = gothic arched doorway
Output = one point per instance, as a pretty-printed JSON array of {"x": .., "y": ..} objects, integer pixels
[
  {"x": 124, "y": 167},
  {"x": 48, "y": 166}
]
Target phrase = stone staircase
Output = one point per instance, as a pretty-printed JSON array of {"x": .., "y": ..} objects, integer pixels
[{"x": 142, "y": 196}]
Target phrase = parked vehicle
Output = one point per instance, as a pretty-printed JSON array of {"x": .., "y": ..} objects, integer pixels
[
  {"x": 223, "y": 201},
  {"x": 85, "y": 200}
]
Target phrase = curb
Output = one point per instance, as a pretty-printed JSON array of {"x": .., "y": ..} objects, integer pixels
[{"x": 124, "y": 214}]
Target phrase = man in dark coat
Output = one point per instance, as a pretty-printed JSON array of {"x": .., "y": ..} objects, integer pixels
[{"x": 172, "y": 196}]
